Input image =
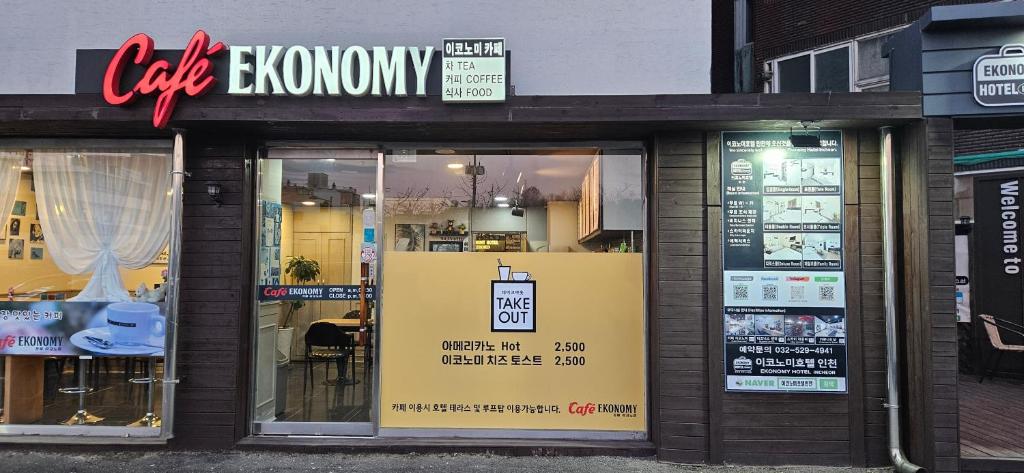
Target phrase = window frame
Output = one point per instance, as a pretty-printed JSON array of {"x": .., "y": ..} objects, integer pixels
[
  {"x": 116, "y": 434},
  {"x": 373, "y": 429},
  {"x": 771, "y": 66}
]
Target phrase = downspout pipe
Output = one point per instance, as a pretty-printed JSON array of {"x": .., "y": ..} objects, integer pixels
[{"x": 900, "y": 462}]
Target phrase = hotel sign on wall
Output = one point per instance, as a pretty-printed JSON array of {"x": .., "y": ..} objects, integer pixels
[
  {"x": 474, "y": 70},
  {"x": 999, "y": 78},
  {"x": 784, "y": 315}
]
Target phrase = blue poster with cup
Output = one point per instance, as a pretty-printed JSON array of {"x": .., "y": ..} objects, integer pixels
[{"x": 51, "y": 328}]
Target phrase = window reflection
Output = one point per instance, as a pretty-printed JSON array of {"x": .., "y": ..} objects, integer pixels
[{"x": 571, "y": 200}]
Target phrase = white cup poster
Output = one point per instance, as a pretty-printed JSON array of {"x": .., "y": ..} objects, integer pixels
[{"x": 52, "y": 328}]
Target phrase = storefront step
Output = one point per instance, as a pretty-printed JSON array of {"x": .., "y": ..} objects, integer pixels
[
  {"x": 991, "y": 465},
  {"x": 510, "y": 447}
]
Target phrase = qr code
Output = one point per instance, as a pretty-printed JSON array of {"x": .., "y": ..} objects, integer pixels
[
  {"x": 741, "y": 292},
  {"x": 770, "y": 292},
  {"x": 796, "y": 293},
  {"x": 827, "y": 293}
]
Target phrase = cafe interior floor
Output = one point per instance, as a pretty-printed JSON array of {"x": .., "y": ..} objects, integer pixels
[
  {"x": 319, "y": 402},
  {"x": 113, "y": 397},
  {"x": 120, "y": 402}
]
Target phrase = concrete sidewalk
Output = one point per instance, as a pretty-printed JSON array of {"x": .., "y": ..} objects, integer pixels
[{"x": 12, "y": 461}]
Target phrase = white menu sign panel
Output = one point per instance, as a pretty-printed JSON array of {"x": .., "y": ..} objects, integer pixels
[{"x": 473, "y": 70}]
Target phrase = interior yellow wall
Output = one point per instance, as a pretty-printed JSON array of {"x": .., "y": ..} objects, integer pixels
[
  {"x": 28, "y": 275},
  {"x": 562, "y": 216}
]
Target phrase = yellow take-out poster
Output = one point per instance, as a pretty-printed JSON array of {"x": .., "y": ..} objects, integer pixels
[{"x": 548, "y": 341}]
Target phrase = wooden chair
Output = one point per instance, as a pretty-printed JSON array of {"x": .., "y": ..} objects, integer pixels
[{"x": 992, "y": 327}]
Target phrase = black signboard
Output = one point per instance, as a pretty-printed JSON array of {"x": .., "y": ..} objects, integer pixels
[
  {"x": 784, "y": 288},
  {"x": 313, "y": 293},
  {"x": 997, "y": 282}
]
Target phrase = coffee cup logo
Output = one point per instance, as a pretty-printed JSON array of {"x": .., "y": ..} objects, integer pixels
[{"x": 134, "y": 323}]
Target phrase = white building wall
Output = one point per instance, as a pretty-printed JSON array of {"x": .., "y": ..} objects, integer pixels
[{"x": 558, "y": 47}]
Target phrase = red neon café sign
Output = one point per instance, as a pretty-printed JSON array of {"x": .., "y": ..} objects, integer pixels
[
  {"x": 355, "y": 70},
  {"x": 193, "y": 74}
]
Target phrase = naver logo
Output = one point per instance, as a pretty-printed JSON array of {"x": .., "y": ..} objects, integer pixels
[{"x": 757, "y": 383}]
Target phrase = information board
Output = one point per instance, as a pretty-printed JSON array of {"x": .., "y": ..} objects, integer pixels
[{"x": 784, "y": 288}]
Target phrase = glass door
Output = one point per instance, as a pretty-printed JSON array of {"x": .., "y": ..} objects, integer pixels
[{"x": 316, "y": 268}]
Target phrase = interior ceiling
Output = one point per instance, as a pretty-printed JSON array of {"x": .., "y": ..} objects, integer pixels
[{"x": 427, "y": 173}]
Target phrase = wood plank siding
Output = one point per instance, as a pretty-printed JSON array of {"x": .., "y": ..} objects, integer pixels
[
  {"x": 213, "y": 342},
  {"x": 699, "y": 421},
  {"x": 929, "y": 312}
]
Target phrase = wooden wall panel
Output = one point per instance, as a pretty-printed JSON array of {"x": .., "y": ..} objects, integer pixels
[
  {"x": 215, "y": 291},
  {"x": 678, "y": 264},
  {"x": 752, "y": 428},
  {"x": 940, "y": 294},
  {"x": 871, "y": 310},
  {"x": 929, "y": 323}
]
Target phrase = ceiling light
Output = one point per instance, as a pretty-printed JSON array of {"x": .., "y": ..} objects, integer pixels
[
  {"x": 369, "y": 196},
  {"x": 503, "y": 205},
  {"x": 308, "y": 203},
  {"x": 456, "y": 165},
  {"x": 444, "y": 151},
  {"x": 501, "y": 198}
]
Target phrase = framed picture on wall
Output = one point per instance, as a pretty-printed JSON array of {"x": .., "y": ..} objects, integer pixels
[
  {"x": 36, "y": 253},
  {"x": 35, "y": 234},
  {"x": 410, "y": 236},
  {"x": 446, "y": 246},
  {"x": 14, "y": 228},
  {"x": 16, "y": 249},
  {"x": 19, "y": 208}
]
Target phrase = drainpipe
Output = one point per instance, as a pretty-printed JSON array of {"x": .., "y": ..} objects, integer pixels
[{"x": 900, "y": 462}]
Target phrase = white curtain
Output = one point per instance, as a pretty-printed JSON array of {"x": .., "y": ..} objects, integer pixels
[
  {"x": 10, "y": 173},
  {"x": 102, "y": 211}
]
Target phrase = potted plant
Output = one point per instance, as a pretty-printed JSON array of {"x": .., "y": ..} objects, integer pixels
[{"x": 303, "y": 271}]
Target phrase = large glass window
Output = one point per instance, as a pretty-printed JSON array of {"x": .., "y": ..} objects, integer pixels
[
  {"x": 84, "y": 252},
  {"x": 501, "y": 289},
  {"x": 513, "y": 292}
]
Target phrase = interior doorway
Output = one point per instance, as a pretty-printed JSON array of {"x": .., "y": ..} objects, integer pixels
[
  {"x": 990, "y": 297},
  {"x": 316, "y": 306}
]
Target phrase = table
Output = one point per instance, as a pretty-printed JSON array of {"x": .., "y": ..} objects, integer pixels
[{"x": 346, "y": 323}]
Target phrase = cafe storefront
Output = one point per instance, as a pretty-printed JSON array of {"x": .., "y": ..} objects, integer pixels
[{"x": 393, "y": 248}]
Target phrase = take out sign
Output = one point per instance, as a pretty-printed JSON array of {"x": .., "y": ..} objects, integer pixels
[{"x": 270, "y": 70}]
